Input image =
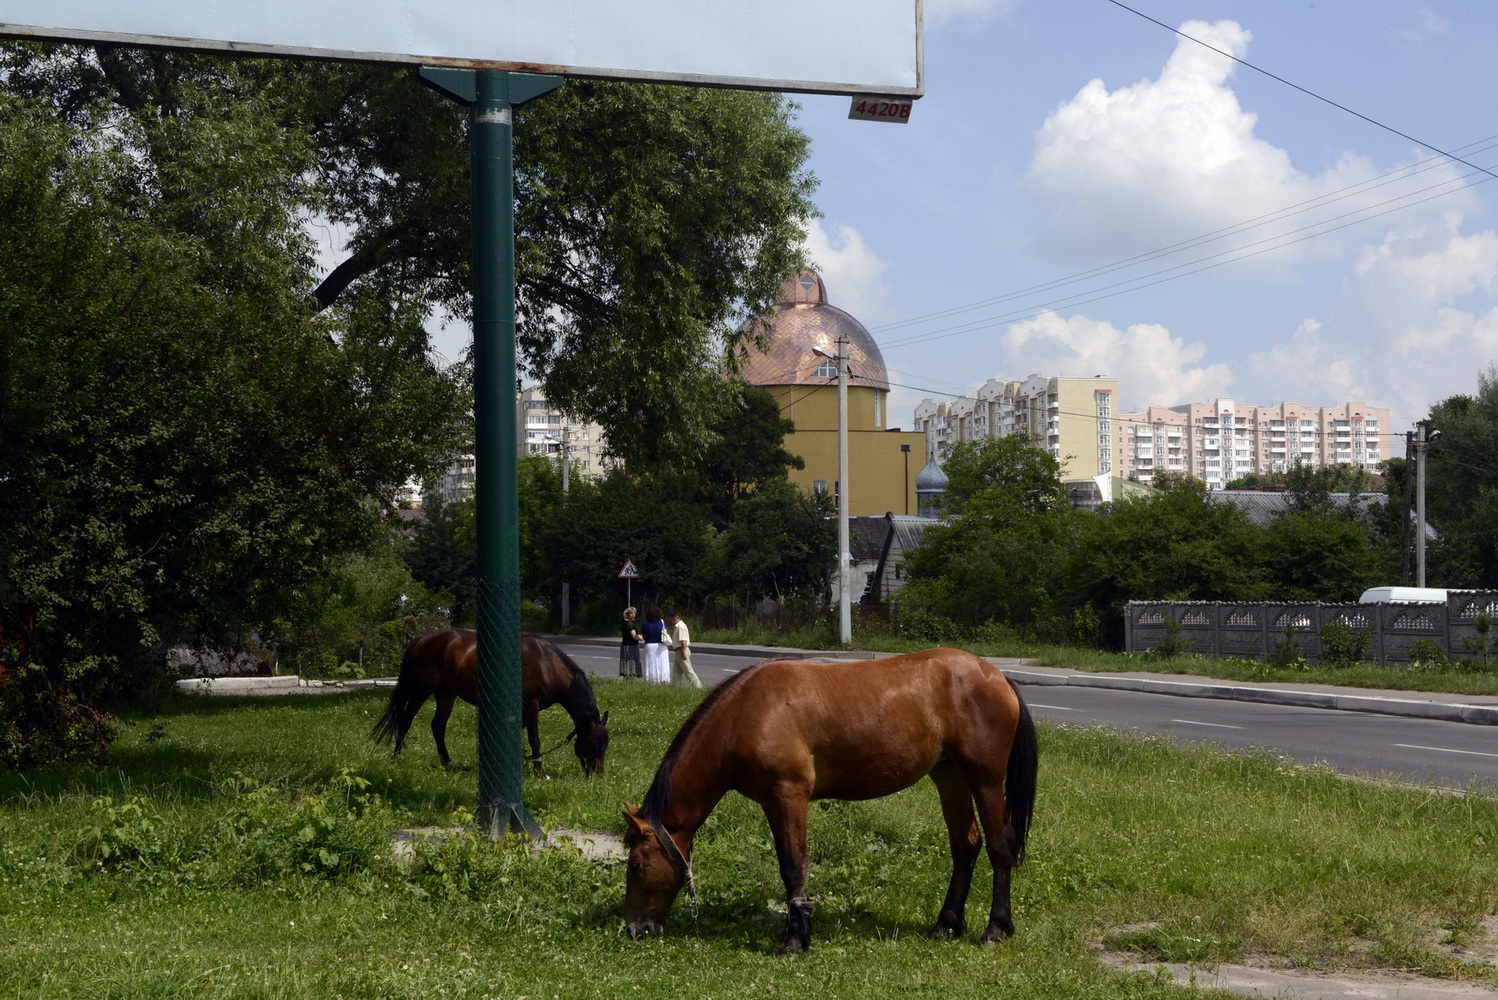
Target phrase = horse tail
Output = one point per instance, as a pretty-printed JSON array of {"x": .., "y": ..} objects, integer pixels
[
  {"x": 404, "y": 701},
  {"x": 1019, "y": 780}
]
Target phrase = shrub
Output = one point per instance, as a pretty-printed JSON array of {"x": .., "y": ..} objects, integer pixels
[
  {"x": 1427, "y": 654},
  {"x": 1342, "y": 645},
  {"x": 41, "y": 726},
  {"x": 1172, "y": 645}
]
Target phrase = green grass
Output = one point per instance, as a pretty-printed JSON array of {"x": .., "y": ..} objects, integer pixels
[{"x": 230, "y": 849}]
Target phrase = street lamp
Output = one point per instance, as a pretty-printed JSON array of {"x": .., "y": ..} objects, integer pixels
[{"x": 844, "y": 556}]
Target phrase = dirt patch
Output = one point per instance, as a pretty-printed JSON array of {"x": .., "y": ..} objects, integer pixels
[{"x": 1265, "y": 977}]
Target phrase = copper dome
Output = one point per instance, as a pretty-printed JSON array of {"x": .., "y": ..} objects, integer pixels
[{"x": 803, "y": 322}]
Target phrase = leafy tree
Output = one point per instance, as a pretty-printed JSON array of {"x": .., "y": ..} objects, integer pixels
[
  {"x": 1174, "y": 543},
  {"x": 747, "y": 452},
  {"x": 1462, "y": 487},
  {"x": 996, "y": 555},
  {"x": 1002, "y": 479},
  {"x": 442, "y": 557},
  {"x": 653, "y": 520},
  {"x": 183, "y": 442},
  {"x": 780, "y": 542},
  {"x": 1321, "y": 556}
]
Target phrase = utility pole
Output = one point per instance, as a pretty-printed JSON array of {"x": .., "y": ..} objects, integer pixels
[
  {"x": 844, "y": 555},
  {"x": 1409, "y": 489},
  {"x": 1424, "y": 438},
  {"x": 566, "y": 462}
]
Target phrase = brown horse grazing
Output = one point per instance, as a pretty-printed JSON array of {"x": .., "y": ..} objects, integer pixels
[
  {"x": 445, "y": 664},
  {"x": 785, "y": 732}
]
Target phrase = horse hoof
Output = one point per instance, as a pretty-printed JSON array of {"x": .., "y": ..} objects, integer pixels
[
  {"x": 996, "y": 935},
  {"x": 946, "y": 932}
]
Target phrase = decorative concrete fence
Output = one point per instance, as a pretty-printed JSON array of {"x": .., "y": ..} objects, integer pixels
[{"x": 1227, "y": 629}]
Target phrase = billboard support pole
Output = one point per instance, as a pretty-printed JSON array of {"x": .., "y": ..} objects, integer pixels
[{"x": 491, "y": 96}]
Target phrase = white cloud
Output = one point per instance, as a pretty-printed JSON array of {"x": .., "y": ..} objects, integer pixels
[
  {"x": 1152, "y": 367},
  {"x": 853, "y": 273},
  {"x": 939, "y": 12},
  {"x": 1413, "y": 325},
  {"x": 1171, "y": 159}
]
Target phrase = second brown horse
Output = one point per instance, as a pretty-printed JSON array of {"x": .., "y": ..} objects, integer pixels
[
  {"x": 444, "y": 665},
  {"x": 786, "y": 732}
]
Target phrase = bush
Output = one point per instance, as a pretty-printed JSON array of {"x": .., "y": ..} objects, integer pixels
[
  {"x": 1342, "y": 645},
  {"x": 40, "y": 726},
  {"x": 1427, "y": 654}
]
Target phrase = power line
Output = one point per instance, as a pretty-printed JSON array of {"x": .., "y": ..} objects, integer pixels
[{"x": 1303, "y": 90}]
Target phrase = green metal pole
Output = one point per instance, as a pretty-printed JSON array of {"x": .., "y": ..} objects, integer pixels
[{"x": 492, "y": 96}]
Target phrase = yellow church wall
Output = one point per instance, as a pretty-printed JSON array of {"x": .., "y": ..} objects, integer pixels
[
  {"x": 814, "y": 408},
  {"x": 882, "y": 477}
]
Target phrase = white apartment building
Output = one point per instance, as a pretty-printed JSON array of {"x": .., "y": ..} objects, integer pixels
[
  {"x": 1222, "y": 440},
  {"x": 542, "y": 430},
  {"x": 1070, "y": 417}
]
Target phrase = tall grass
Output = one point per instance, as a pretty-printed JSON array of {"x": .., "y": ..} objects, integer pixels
[{"x": 241, "y": 848}]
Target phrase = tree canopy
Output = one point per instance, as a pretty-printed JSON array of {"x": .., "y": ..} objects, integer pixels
[{"x": 185, "y": 442}]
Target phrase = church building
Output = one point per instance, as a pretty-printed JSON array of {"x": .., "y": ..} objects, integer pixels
[{"x": 799, "y": 369}]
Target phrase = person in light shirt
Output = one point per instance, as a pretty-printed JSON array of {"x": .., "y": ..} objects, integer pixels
[{"x": 681, "y": 649}]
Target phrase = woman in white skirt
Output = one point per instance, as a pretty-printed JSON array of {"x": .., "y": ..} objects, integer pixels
[{"x": 657, "y": 659}]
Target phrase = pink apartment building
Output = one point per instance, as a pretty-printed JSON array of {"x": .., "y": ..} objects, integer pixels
[{"x": 1224, "y": 439}]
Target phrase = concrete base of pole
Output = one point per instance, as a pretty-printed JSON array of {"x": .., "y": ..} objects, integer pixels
[{"x": 497, "y": 823}]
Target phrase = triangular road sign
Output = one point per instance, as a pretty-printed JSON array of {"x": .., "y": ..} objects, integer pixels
[{"x": 629, "y": 572}]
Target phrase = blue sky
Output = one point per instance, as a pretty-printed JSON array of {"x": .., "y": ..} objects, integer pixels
[{"x": 1061, "y": 138}]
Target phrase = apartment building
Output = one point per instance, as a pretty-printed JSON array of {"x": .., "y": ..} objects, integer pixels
[
  {"x": 542, "y": 429},
  {"x": 1071, "y": 418},
  {"x": 1222, "y": 440}
]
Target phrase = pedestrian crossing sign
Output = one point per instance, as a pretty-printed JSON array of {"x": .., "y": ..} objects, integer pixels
[{"x": 629, "y": 572}]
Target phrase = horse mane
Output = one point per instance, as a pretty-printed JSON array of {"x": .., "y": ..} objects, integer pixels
[
  {"x": 579, "y": 701},
  {"x": 658, "y": 797}
]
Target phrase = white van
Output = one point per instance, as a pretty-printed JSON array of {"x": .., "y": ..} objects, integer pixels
[{"x": 1405, "y": 595}]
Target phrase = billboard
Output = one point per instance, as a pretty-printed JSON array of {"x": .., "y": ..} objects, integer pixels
[{"x": 805, "y": 46}]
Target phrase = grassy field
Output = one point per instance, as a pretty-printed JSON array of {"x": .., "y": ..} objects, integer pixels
[{"x": 241, "y": 848}]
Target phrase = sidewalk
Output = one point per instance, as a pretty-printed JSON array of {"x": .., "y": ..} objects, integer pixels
[{"x": 1477, "y": 709}]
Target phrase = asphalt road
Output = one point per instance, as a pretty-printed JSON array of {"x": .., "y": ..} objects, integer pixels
[{"x": 1424, "y": 751}]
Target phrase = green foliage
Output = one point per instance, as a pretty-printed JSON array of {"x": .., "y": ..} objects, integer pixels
[
  {"x": 1172, "y": 645},
  {"x": 998, "y": 553},
  {"x": 357, "y": 619},
  {"x": 779, "y": 543},
  {"x": 441, "y": 556},
  {"x": 1462, "y": 487},
  {"x": 38, "y": 728},
  {"x": 183, "y": 443},
  {"x": 1173, "y": 543},
  {"x": 1342, "y": 645},
  {"x": 1481, "y": 644},
  {"x": 1428, "y": 654},
  {"x": 1287, "y": 651},
  {"x": 747, "y": 453}
]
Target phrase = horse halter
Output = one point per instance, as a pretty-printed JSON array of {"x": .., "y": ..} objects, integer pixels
[
  {"x": 565, "y": 740},
  {"x": 668, "y": 843}
]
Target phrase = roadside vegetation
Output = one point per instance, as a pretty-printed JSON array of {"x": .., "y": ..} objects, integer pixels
[{"x": 242, "y": 847}]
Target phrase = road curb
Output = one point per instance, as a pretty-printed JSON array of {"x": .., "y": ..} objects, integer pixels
[{"x": 1438, "y": 710}]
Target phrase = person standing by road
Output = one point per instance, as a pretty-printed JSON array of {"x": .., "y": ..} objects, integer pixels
[
  {"x": 681, "y": 648},
  {"x": 657, "y": 666},
  {"x": 629, "y": 646}
]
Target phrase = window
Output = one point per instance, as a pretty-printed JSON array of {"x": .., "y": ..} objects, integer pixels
[{"x": 827, "y": 369}]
